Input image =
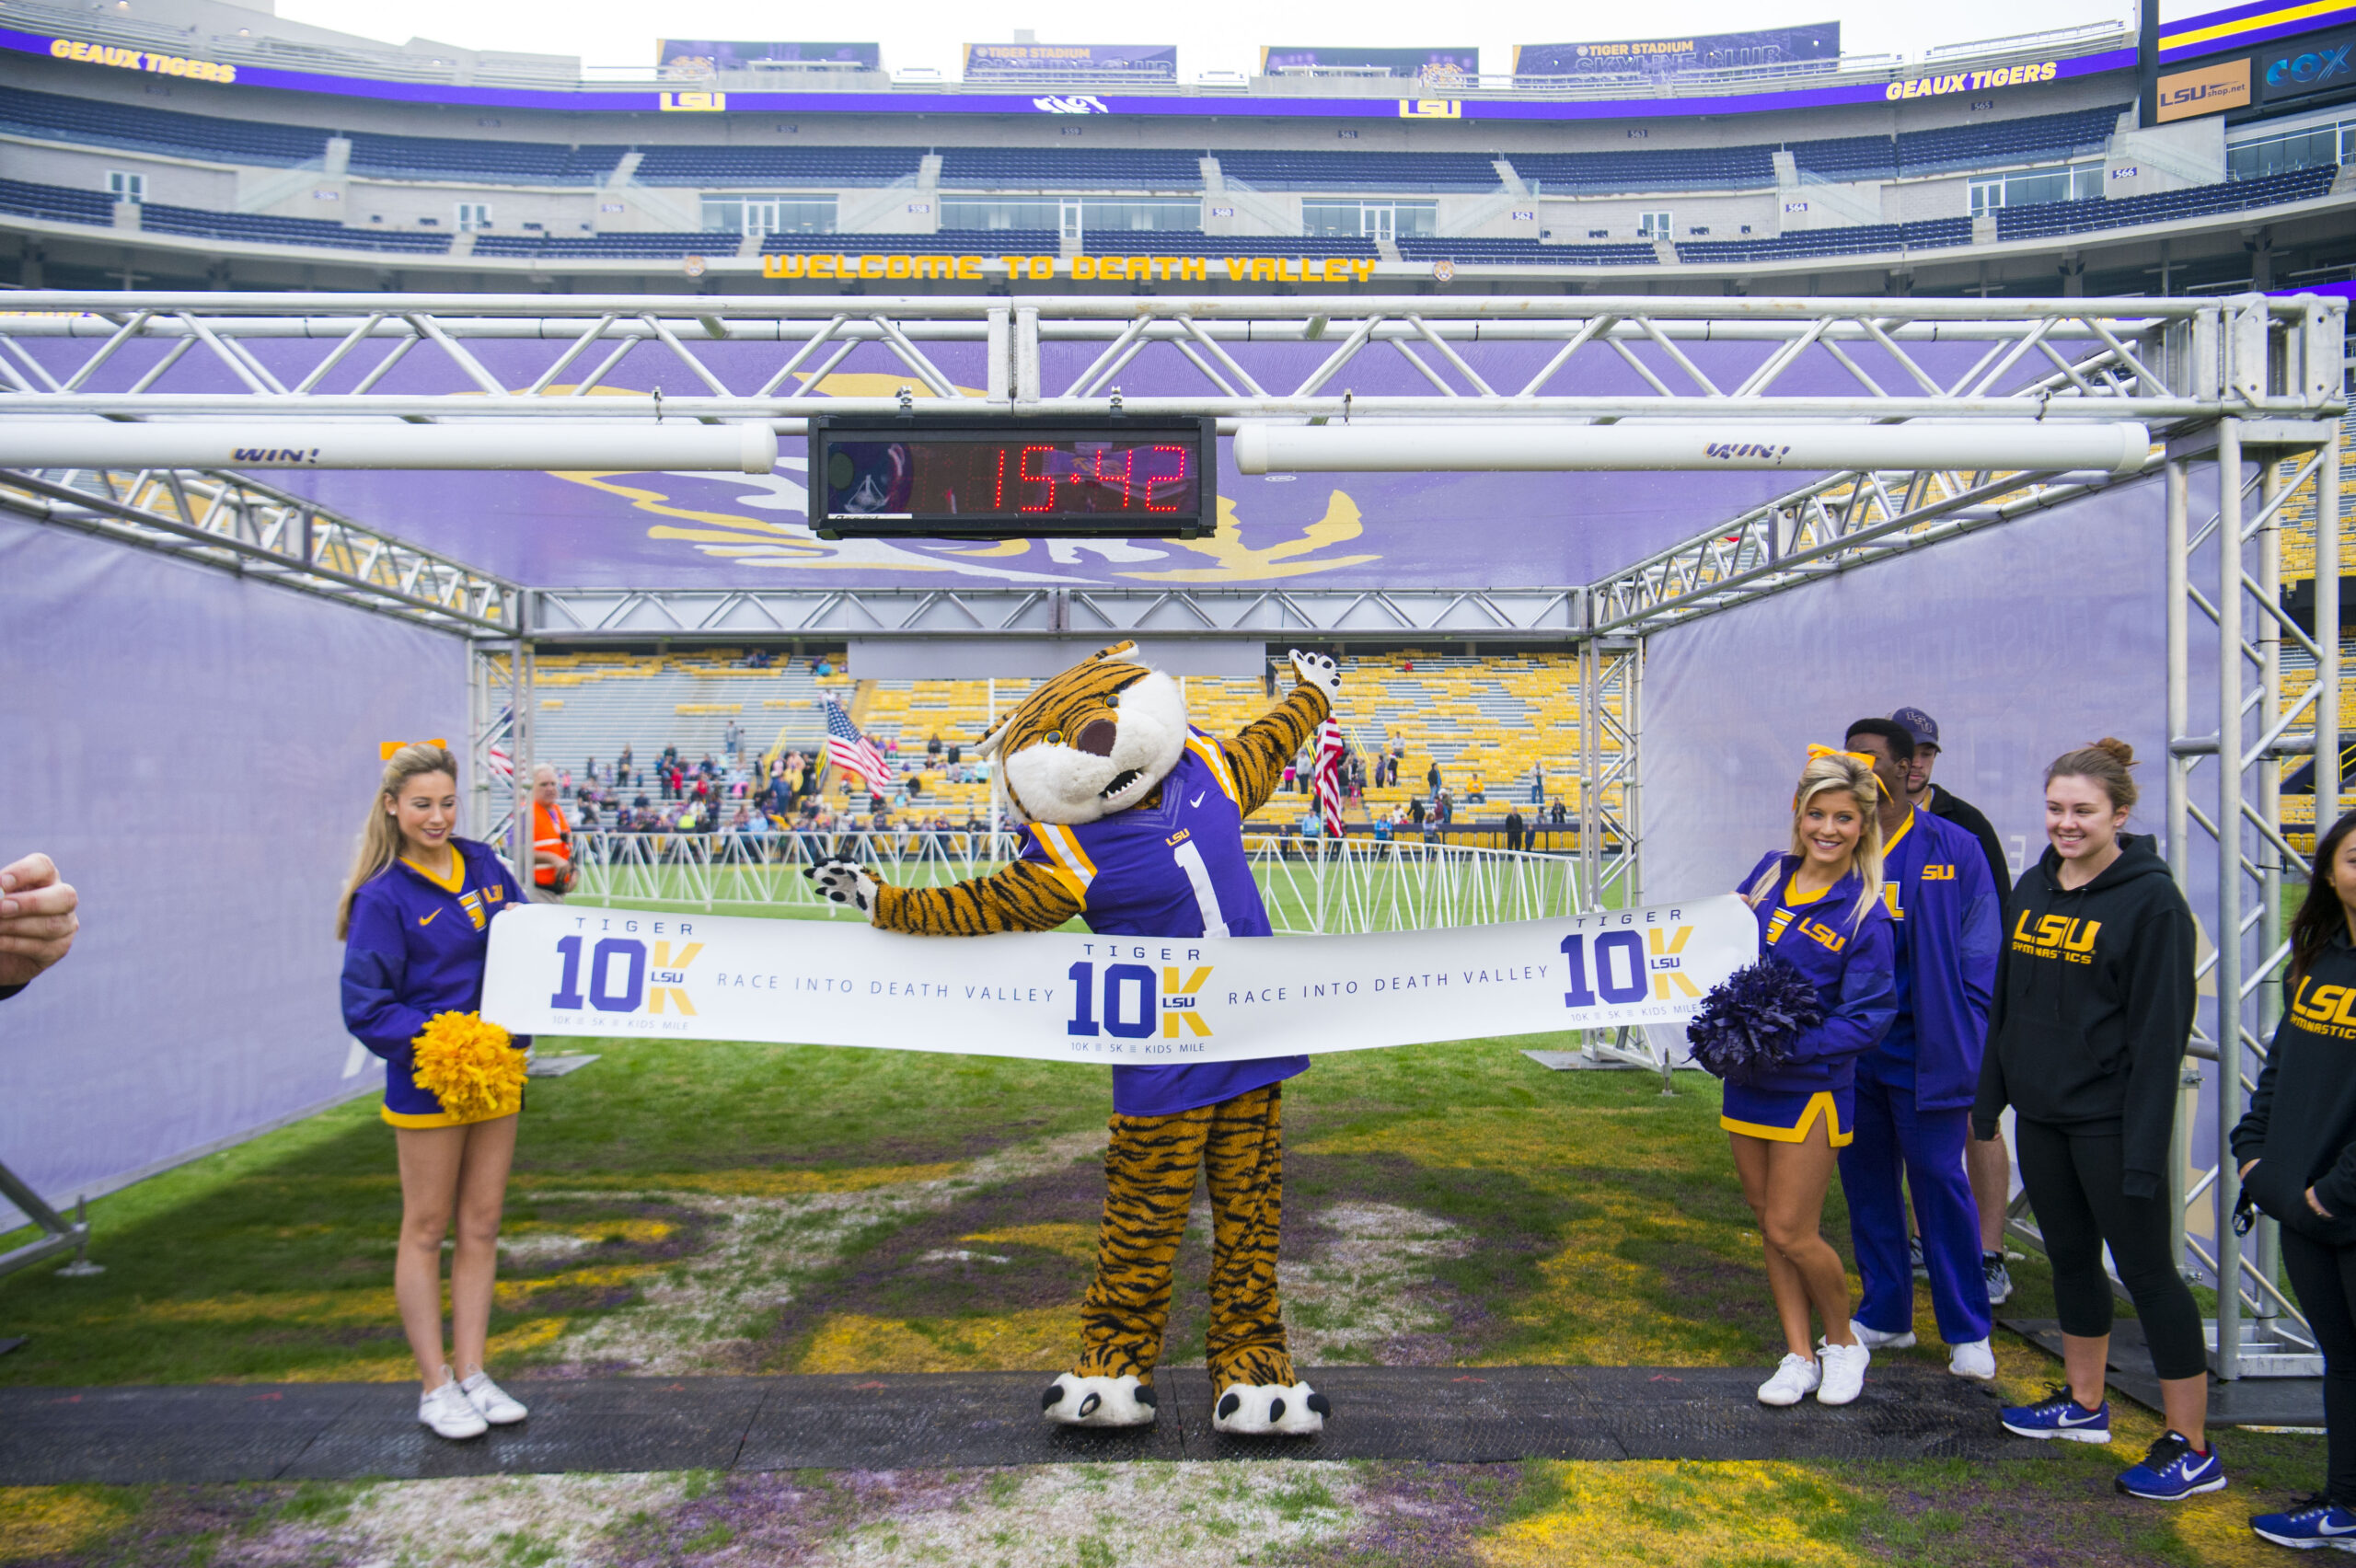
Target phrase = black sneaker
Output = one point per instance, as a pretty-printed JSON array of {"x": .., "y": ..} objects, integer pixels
[{"x": 1999, "y": 1279}]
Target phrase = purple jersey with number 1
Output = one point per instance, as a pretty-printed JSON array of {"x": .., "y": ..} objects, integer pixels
[{"x": 1171, "y": 868}]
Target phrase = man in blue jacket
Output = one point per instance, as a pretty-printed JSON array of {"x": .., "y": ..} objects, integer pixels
[{"x": 1914, "y": 1090}]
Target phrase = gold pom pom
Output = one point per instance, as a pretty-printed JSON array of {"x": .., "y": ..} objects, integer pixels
[{"x": 469, "y": 1067}]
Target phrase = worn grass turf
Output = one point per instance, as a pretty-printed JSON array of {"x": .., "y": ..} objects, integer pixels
[{"x": 710, "y": 1207}]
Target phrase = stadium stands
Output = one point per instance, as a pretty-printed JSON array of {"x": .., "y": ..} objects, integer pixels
[
  {"x": 2199, "y": 201},
  {"x": 777, "y": 165},
  {"x": 1360, "y": 171},
  {"x": 1426, "y": 248},
  {"x": 947, "y": 242},
  {"x": 1861, "y": 239},
  {"x": 256, "y": 229},
  {"x": 1491, "y": 719},
  {"x": 1675, "y": 168},
  {"x": 2043, "y": 138},
  {"x": 653, "y": 247},
  {"x": 1847, "y": 157},
  {"x": 53, "y": 118},
  {"x": 1179, "y": 242},
  {"x": 1994, "y": 143},
  {"x": 510, "y": 163},
  {"x": 56, "y": 203},
  {"x": 1093, "y": 168}
]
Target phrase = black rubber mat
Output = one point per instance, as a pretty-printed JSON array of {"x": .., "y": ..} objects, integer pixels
[
  {"x": 2246, "y": 1401},
  {"x": 1492, "y": 1414}
]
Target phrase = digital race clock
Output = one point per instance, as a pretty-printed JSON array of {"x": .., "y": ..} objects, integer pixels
[{"x": 983, "y": 477}]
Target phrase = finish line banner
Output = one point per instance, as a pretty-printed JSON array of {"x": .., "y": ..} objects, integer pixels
[{"x": 1133, "y": 1000}]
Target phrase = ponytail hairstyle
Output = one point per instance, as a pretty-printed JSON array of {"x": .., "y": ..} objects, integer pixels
[
  {"x": 1844, "y": 773},
  {"x": 2320, "y": 913},
  {"x": 380, "y": 836},
  {"x": 2106, "y": 762}
]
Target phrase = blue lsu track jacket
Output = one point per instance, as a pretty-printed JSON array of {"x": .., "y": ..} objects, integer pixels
[
  {"x": 416, "y": 949},
  {"x": 1848, "y": 960},
  {"x": 1948, "y": 921}
]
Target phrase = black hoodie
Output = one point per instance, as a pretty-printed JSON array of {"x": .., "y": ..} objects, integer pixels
[
  {"x": 2301, "y": 1125},
  {"x": 2094, "y": 1006}
]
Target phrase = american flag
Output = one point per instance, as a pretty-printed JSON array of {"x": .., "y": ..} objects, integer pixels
[
  {"x": 850, "y": 750},
  {"x": 1328, "y": 776}
]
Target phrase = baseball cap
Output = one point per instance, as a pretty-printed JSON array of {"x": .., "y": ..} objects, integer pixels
[{"x": 1918, "y": 724}]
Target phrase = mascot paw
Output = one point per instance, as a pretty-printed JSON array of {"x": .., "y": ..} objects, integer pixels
[
  {"x": 846, "y": 883},
  {"x": 1072, "y": 1400},
  {"x": 1317, "y": 669},
  {"x": 1270, "y": 1409}
]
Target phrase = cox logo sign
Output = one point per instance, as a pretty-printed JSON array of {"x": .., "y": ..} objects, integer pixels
[{"x": 621, "y": 974}]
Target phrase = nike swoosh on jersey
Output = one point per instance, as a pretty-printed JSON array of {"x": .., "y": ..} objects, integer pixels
[
  {"x": 1196, "y": 801},
  {"x": 429, "y": 919}
]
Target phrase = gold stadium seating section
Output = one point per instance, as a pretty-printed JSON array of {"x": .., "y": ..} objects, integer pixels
[{"x": 1490, "y": 721}]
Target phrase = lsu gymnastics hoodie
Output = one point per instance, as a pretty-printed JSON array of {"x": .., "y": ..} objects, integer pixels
[
  {"x": 2094, "y": 1006},
  {"x": 2301, "y": 1125}
]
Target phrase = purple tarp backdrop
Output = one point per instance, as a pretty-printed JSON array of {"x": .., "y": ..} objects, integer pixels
[
  {"x": 196, "y": 753},
  {"x": 2023, "y": 641}
]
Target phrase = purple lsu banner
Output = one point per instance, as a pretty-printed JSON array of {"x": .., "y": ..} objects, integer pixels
[
  {"x": 1137, "y": 1001},
  {"x": 712, "y": 54},
  {"x": 1671, "y": 56},
  {"x": 1028, "y": 61}
]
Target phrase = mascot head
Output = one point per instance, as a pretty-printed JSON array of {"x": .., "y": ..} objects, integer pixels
[{"x": 1097, "y": 739}]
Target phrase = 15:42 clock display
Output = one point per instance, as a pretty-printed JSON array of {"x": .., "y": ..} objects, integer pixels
[{"x": 996, "y": 477}]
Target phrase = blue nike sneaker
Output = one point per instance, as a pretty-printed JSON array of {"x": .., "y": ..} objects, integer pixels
[
  {"x": 2056, "y": 1415},
  {"x": 2313, "y": 1521},
  {"x": 2172, "y": 1471}
]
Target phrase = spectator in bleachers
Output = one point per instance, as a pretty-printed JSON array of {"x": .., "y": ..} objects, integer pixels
[
  {"x": 1431, "y": 778},
  {"x": 1537, "y": 784},
  {"x": 1513, "y": 829},
  {"x": 1416, "y": 816},
  {"x": 623, "y": 765},
  {"x": 1383, "y": 829}
]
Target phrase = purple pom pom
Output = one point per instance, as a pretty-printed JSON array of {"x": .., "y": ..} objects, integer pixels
[{"x": 1747, "y": 1024}]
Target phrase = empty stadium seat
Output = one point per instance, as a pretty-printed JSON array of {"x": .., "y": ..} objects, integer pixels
[
  {"x": 1995, "y": 144},
  {"x": 1802, "y": 243},
  {"x": 54, "y": 118},
  {"x": 1362, "y": 171},
  {"x": 618, "y": 245},
  {"x": 1171, "y": 242},
  {"x": 1424, "y": 248},
  {"x": 1671, "y": 168},
  {"x": 777, "y": 165},
  {"x": 254, "y": 227},
  {"x": 55, "y": 202},
  {"x": 1847, "y": 157},
  {"x": 452, "y": 157},
  {"x": 1099, "y": 169},
  {"x": 948, "y": 242},
  {"x": 2200, "y": 200}
]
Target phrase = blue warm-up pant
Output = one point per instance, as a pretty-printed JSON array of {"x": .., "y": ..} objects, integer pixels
[{"x": 1926, "y": 1147}]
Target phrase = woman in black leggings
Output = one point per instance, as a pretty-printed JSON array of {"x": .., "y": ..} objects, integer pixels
[
  {"x": 2296, "y": 1148},
  {"x": 2085, "y": 1042}
]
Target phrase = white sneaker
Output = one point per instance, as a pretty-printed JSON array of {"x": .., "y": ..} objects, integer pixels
[
  {"x": 1874, "y": 1339},
  {"x": 1975, "y": 1359},
  {"x": 449, "y": 1412},
  {"x": 493, "y": 1402},
  {"x": 1795, "y": 1378},
  {"x": 1844, "y": 1372}
]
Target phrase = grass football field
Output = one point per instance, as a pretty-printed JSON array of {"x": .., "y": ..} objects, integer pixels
[{"x": 685, "y": 1207}]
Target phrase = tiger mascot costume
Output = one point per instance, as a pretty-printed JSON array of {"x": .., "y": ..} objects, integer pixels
[{"x": 1136, "y": 825}]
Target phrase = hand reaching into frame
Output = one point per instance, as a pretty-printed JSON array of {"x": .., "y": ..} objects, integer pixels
[{"x": 37, "y": 919}]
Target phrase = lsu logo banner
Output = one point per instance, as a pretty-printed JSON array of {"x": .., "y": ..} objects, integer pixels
[{"x": 1136, "y": 1000}]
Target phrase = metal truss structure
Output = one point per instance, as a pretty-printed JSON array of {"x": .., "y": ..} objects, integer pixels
[
  {"x": 2219, "y": 380},
  {"x": 245, "y": 525}
]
